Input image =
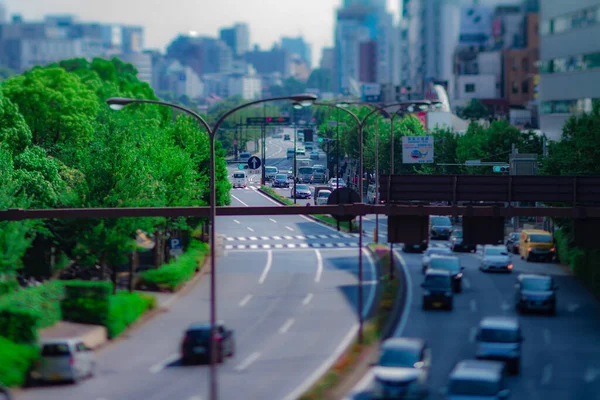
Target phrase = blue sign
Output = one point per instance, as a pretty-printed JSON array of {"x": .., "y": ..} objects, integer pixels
[
  {"x": 241, "y": 166},
  {"x": 254, "y": 162},
  {"x": 175, "y": 244}
]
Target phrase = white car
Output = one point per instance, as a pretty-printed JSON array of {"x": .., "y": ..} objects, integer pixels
[
  {"x": 441, "y": 251},
  {"x": 333, "y": 183},
  {"x": 495, "y": 258},
  {"x": 323, "y": 197},
  {"x": 65, "y": 360}
]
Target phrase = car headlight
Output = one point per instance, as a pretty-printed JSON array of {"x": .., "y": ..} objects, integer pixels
[{"x": 459, "y": 275}]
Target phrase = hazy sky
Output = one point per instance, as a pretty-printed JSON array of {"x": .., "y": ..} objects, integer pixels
[{"x": 164, "y": 19}]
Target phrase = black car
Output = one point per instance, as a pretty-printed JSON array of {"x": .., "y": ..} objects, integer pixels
[
  {"x": 415, "y": 247},
  {"x": 281, "y": 181},
  {"x": 452, "y": 265},
  {"x": 195, "y": 346},
  {"x": 302, "y": 192},
  {"x": 440, "y": 227},
  {"x": 458, "y": 245},
  {"x": 512, "y": 242},
  {"x": 536, "y": 293},
  {"x": 437, "y": 289}
]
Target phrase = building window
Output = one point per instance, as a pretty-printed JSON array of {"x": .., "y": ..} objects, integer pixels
[
  {"x": 582, "y": 62},
  {"x": 575, "y": 20},
  {"x": 525, "y": 87},
  {"x": 525, "y": 64},
  {"x": 568, "y": 106},
  {"x": 515, "y": 63},
  {"x": 515, "y": 87},
  {"x": 469, "y": 88}
]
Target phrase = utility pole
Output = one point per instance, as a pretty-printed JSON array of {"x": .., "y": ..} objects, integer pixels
[{"x": 513, "y": 171}]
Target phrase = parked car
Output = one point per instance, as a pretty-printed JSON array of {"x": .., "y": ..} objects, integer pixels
[
  {"x": 512, "y": 242},
  {"x": 495, "y": 258},
  {"x": 402, "y": 370},
  {"x": 64, "y": 360},
  {"x": 457, "y": 243},
  {"x": 500, "y": 338},
  {"x": 322, "y": 197},
  {"x": 430, "y": 252},
  {"x": 302, "y": 192},
  {"x": 437, "y": 290},
  {"x": 196, "y": 343},
  {"x": 536, "y": 293},
  {"x": 281, "y": 181},
  {"x": 452, "y": 265},
  {"x": 477, "y": 380},
  {"x": 440, "y": 227},
  {"x": 314, "y": 155}
]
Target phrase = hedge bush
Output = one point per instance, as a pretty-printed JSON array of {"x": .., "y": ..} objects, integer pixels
[
  {"x": 16, "y": 361},
  {"x": 171, "y": 276},
  {"x": 125, "y": 308},
  {"x": 23, "y": 312},
  {"x": 584, "y": 263},
  {"x": 87, "y": 302},
  {"x": 8, "y": 286}
]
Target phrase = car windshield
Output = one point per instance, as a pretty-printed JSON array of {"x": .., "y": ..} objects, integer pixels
[
  {"x": 239, "y": 175},
  {"x": 319, "y": 170},
  {"x": 536, "y": 284},
  {"x": 341, "y": 181},
  {"x": 245, "y": 155},
  {"x": 302, "y": 187},
  {"x": 448, "y": 264},
  {"x": 199, "y": 334},
  {"x": 398, "y": 358},
  {"x": 473, "y": 387},
  {"x": 305, "y": 170},
  {"x": 55, "y": 349},
  {"x": 495, "y": 252},
  {"x": 325, "y": 193},
  {"x": 540, "y": 239},
  {"x": 437, "y": 281},
  {"x": 281, "y": 177},
  {"x": 271, "y": 169},
  {"x": 498, "y": 335},
  {"x": 458, "y": 233},
  {"x": 438, "y": 250},
  {"x": 441, "y": 221}
]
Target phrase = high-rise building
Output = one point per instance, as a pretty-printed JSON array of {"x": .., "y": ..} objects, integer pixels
[
  {"x": 3, "y": 13},
  {"x": 271, "y": 61},
  {"x": 205, "y": 55},
  {"x": 133, "y": 39},
  {"x": 569, "y": 61},
  {"x": 327, "y": 58},
  {"x": 237, "y": 38},
  {"x": 298, "y": 46}
]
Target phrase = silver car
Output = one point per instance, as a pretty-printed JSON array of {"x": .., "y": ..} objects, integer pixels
[
  {"x": 477, "y": 380},
  {"x": 499, "y": 339},
  {"x": 441, "y": 251},
  {"x": 495, "y": 258},
  {"x": 64, "y": 360}
]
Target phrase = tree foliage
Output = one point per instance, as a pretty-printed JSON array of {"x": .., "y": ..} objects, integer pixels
[{"x": 475, "y": 110}]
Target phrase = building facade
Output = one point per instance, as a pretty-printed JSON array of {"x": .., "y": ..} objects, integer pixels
[
  {"x": 569, "y": 61},
  {"x": 237, "y": 38},
  {"x": 298, "y": 46}
]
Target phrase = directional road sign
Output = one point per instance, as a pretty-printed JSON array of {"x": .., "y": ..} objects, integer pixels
[{"x": 254, "y": 162}]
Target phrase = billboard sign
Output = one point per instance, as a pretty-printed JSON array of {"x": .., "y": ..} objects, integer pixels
[
  {"x": 475, "y": 25},
  {"x": 417, "y": 149},
  {"x": 371, "y": 92}
]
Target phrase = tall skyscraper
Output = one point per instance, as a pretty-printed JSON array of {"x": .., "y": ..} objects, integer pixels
[
  {"x": 237, "y": 38},
  {"x": 298, "y": 46},
  {"x": 3, "y": 13}
]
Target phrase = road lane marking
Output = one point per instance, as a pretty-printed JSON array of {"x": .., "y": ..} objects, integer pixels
[
  {"x": 156, "y": 368},
  {"x": 573, "y": 307},
  {"x": 236, "y": 221},
  {"x": 546, "y": 374},
  {"x": 505, "y": 306},
  {"x": 248, "y": 361},
  {"x": 307, "y": 299},
  {"x": 289, "y": 229},
  {"x": 262, "y": 278},
  {"x": 250, "y": 229},
  {"x": 244, "y": 204},
  {"x": 245, "y": 300},
  {"x": 472, "y": 334},
  {"x": 371, "y": 298},
  {"x": 466, "y": 282},
  {"x": 473, "y": 305},
  {"x": 547, "y": 337},
  {"x": 286, "y": 327},
  {"x": 409, "y": 295},
  {"x": 591, "y": 374},
  {"x": 272, "y": 220},
  {"x": 319, "y": 266}
]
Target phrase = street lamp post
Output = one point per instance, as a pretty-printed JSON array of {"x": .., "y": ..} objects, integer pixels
[{"x": 118, "y": 103}]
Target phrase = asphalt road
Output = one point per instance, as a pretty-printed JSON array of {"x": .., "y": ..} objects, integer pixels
[
  {"x": 290, "y": 294},
  {"x": 561, "y": 355}
]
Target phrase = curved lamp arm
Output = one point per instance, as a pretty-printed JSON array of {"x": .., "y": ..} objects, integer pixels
[
  {"x": 117, "y": 103},
  {"x": 354, "y": 116}
]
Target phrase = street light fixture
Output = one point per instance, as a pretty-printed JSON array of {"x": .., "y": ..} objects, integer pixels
[{"x": 118, "y": 103}]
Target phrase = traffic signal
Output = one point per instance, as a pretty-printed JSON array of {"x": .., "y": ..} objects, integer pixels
[
  {"x": 269, "y": 119},
  {"x": 320, "y": 140},
  {"x": 501, "y": 169}
]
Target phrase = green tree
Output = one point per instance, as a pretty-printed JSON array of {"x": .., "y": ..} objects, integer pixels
[
  {"x": 475, "y": 110},
  {"x": 290, "y": 86},
  {"x": 320, "y": 79},
  {"x": 14, "y": 132}
]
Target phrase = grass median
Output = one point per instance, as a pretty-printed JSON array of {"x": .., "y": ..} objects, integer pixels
[
  {"x": 326, "y": 219},
  {"x": 352, "y": 365}
]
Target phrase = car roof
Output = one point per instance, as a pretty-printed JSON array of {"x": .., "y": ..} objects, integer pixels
[
  {"x": 202, "y": 325},
  {"x": 534, "y": 277},
  {"x": 483, "y": 370},
  {"x": 437, "y": 272},
  {"x": 509, "y": 323},
  {"x": 44, "y": 342},
  {"x": 444, "y": 257},
  {"x": 402, "y": 343}
]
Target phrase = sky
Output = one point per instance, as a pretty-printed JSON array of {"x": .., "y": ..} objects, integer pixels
[{"x": 163, "y": 20}]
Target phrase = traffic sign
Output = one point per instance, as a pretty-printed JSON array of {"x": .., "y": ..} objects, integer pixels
[
  {"x": 254, "y": 162},
  {"x": 501, "y": 168},
  {"x": 343, "y": 196},
  {"x": 241, "y": 166},
  {"x": 175, "y": 244}
]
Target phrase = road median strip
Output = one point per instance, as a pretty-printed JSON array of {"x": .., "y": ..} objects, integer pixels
[
  {"x": 355, "y": 362},
  {"x": 324, "y": 219}
]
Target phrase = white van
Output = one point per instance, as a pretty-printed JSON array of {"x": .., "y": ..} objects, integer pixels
[{"x": 240, "y": 180}]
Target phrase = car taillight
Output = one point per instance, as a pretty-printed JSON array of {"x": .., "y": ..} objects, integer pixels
[
  {"x": 529, "y": 249},
  {"x": 218, "y": 338},
  {"x": 510, "y": 266},
  {"x": 552, "y": 249}
]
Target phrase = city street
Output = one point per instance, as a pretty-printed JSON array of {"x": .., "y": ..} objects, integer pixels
[{"x": 561, "y": 355}]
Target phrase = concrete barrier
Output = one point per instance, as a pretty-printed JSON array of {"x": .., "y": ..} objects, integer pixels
[{"x": 94, "y": 336}]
